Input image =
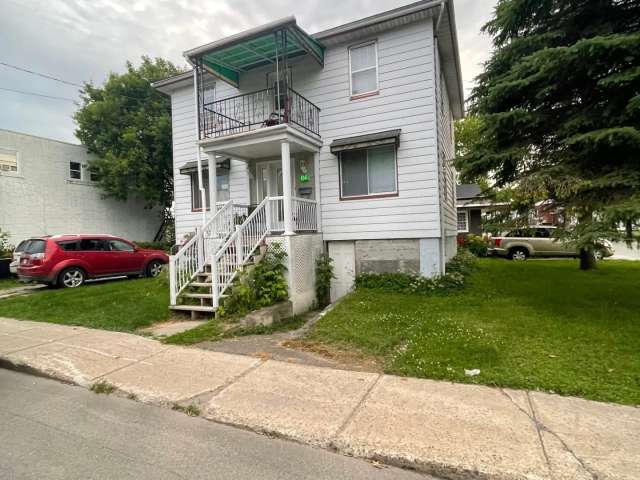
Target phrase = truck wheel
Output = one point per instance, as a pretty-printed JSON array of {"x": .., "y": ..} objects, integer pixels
[{"x": 519, "y": 254}]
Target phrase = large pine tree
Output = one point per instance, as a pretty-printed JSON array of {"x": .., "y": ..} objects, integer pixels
[{"x": 559, "y": 101}]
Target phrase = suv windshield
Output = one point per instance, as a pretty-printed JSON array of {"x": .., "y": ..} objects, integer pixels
[{"x": 34, "y": 246}]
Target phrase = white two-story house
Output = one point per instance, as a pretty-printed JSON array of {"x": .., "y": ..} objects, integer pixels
[{"x": 340, "y": 141}]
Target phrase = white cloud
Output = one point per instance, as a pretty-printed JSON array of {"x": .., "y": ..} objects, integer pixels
[{"x": 82, "y": 40}]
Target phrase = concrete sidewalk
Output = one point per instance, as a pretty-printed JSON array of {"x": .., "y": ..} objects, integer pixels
[{"x": 449, "y": 430}]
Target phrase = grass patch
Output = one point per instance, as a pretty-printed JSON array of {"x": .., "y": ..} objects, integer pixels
[
  {"x": 103, "y": 388},
  {"x": 215, "y": 330},
  {"x": 540, "y": 324},
  {"x": 122, "y": 305},
  {"x": 8, "y": 283},
  {"x": 190, "y": 410}
]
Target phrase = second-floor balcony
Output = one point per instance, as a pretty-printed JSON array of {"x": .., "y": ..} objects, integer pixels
[{"x": 259, "y": 109}]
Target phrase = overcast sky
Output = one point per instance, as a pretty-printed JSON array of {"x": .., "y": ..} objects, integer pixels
[{"x": 79, "y": 40}]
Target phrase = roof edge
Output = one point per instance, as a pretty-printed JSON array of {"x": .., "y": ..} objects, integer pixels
[{"x": 378, "y": 18}]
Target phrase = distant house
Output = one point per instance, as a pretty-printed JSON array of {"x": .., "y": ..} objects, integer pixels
[
  {"x": 472, "y": 207},
  {"x": 46, "y": 188}
]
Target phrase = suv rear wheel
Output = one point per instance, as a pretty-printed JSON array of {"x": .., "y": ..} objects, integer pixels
[
  {"x": 71, "y": 277},
  {"x": 154, "y": 268},
  {"x": 518, "y": 253}
]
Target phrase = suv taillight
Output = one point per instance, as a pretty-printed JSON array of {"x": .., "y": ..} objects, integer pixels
[
  {"x": 497, "y": 242},
  {"x": 37, "y": 258}
]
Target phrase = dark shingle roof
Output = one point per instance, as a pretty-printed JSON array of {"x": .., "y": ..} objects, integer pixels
[{"x": 469, "y": 190}]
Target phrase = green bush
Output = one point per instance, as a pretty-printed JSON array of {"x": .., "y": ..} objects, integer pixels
[
  {"x": 457, "y": 270},
  {"x": 259, "y": 287},
  {"x": 5, "y": 248},
  {"x": 476, "y": 245},
  {"x": 324, "y": 275}
]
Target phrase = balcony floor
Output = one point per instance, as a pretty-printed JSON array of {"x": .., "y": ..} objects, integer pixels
[{"x": 262, "y": 142}]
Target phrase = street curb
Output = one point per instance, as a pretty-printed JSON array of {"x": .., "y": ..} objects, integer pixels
[{"x": 452, "y": 473}]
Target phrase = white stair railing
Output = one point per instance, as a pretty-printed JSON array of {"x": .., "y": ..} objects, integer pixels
[
  {"x": 192, "y": 256},
  {"x": 305, "y": 218},
  {"x": 237, "y": 250}
]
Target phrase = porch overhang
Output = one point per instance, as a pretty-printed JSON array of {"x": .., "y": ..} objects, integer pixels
[
  {"x": 261, "y": 143},
  {"x": 229, "y": 57}
]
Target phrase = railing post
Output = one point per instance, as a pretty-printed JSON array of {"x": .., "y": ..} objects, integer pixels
[
  {"x": 172, "y": 280},
  {"x": 268, "y": 215},
  {"x": 215, "y": 280},
  {"x": 239, "y": 246}
]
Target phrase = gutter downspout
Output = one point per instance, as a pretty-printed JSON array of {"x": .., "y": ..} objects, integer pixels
[
  {"x": 438, "y": 87},
  {"x": 203, "y": 196}
]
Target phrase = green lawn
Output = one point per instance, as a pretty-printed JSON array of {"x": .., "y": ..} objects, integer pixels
[
  {"x": 540, "y": 324},
  {"x": 123, "y": 305},
  {"x": 7, "y": 283}
]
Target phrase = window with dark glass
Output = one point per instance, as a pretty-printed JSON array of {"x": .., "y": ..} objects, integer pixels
[
  {"x": 75, "y": 170},
  {"x": 370, "y": 171},
  {"x": 92, "y": 245}
]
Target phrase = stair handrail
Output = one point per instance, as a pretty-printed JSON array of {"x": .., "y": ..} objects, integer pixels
[
  {"x": 234, "y": 253},
  {"x": 190, "y": 259}
]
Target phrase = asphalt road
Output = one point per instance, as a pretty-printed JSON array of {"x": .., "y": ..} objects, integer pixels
[{"x": 49, "y": 430}]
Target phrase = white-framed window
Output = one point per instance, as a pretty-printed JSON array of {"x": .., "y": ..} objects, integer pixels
[
  {"x": 8, "y": 161},
  {"x": 75, "y": 170},
  {"x": 222, "y": 194},
  {"x": 363, "y": 68},
  {"x": 463, "y": 221},
  {"x": 368, "y": 171}
]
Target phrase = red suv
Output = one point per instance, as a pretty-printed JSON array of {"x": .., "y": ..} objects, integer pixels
[{"x": 69, "y": 260}]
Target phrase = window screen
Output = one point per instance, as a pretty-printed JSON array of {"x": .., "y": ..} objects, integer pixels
[
  {"x": 364, "y": 68},
  {"x": 368, "y": 171}
]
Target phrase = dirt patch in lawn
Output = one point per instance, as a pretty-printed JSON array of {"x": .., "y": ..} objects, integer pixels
[{"x": 345, "y": 359}]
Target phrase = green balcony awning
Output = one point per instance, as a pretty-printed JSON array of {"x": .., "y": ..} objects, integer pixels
[{"x": 230, "y": 57}]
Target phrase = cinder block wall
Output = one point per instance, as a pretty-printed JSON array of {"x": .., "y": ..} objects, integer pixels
[{"x": 42, "y": 199}]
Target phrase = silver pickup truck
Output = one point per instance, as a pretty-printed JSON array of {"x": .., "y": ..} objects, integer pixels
[{"x": 523, "y": 243}]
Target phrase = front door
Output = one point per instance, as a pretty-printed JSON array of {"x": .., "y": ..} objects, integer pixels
[{"x": 269, "y": 184}]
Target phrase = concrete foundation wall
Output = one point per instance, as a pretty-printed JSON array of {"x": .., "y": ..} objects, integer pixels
[{"x": 415, "y": 256}]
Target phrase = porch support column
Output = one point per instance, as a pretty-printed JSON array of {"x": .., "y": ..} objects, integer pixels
[
  {"x": 316, "y": 188},
  {"x": 213, "y": 184},
  {"x": 286, "y": 187}
]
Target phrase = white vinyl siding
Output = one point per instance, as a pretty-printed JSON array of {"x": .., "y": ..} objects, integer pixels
[
  {"x": 363, "y": 68},
  {"x": 406, "y": 101}
]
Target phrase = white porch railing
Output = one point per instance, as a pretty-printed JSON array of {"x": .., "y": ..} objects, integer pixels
[
  {"x": 192, "y": 256},
  {"x": 229, "y": 239},
  {"x": 304, "y": 212},
  {"x": 228, "y": 260}
]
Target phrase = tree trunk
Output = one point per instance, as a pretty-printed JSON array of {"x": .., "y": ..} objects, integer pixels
[{"x": 587, "y": 260}]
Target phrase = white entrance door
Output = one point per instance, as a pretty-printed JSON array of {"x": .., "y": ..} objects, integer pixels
[{"x": 269, "y": 184}]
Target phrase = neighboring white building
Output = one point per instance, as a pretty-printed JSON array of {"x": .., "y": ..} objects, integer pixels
[
  {"x": 46, "y": 188},
  {"x": 361, "y": 124}
]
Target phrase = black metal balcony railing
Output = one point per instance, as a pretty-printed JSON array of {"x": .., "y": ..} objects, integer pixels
[{"x": 255, "y": 110}]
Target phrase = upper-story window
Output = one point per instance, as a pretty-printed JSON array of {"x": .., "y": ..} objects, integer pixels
[
  {"x": 363, "y": 68},
  {"x": 8, "y": 161},
  {"x": 368, "y": 172},
  {"x": 75, "y": 170}
]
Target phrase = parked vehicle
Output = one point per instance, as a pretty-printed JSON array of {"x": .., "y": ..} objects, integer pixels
[
  {"x": 68, "y": 260},
  {"x": 523, "y": 243},
  {"x": 13, "y": 266}
]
